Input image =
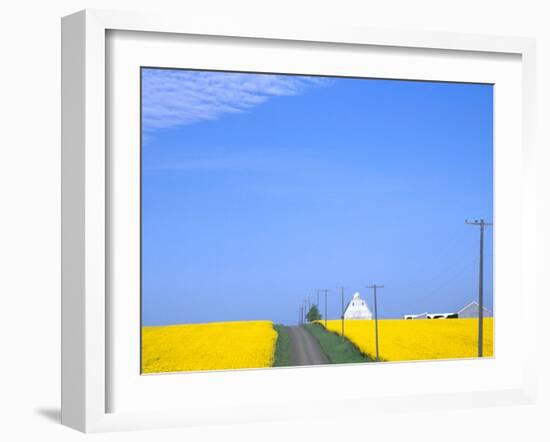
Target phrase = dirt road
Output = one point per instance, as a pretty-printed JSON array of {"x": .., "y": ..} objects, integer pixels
[{"x": 304, "y": 348}]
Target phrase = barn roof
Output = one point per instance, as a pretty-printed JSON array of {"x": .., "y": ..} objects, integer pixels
[{"x": 473, "y": 303}]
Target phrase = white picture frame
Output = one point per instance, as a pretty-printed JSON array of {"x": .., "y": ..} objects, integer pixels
[{"x": 87, "y": 356}]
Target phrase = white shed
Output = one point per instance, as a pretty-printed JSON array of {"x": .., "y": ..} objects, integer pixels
[
  {"x": 357, "y": 308},
  {"x": 472, "y": 311},
  {"x": 418, "y": 316},
  {"x": 427, "y": 315}
]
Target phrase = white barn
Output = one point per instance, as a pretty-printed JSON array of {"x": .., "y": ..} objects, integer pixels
[
  {"x": 357, "y": 308},
  {"x": 472, "y": 311}
]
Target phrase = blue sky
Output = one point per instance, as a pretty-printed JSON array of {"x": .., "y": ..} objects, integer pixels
[{"x": 258, "y": 189}]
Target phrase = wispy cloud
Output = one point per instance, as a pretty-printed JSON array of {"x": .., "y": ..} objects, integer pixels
[
  {"x": 173, "y": 97},
  {"x": 210, "y": 163}
]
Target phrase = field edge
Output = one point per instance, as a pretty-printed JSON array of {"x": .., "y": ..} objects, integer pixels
[
  {"x": 281, "y": 352},
  {"x": 338, "y": 350}
]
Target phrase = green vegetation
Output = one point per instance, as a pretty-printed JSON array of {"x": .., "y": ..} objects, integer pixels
[
  {"x": 339, "y": 350},
  {"x": 313, "y": 314},
  {"x": 282, "y": 347}
]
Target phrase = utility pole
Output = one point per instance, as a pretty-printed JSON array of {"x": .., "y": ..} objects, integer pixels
[
  {"x": 342, "y": 296},
  {"x": 374, "y": 286},
  {"x": 326, "y": 292},
  {"x": 482, "y": 224},
  {"x": 318, "y": 307},
  {"x": 305, "y": 310}
]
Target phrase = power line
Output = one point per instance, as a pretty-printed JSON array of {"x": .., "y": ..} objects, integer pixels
[
  {"x": 440, "y": 285},
  {"x": 482, "y": 224},
  {"x": 442, "y": 254}
]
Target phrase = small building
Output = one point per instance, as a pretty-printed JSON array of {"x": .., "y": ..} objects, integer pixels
[
  {"x": 418, "y": 316},
  {"x": 468, "y": 311},
  {"x": 472, "y": 311},
  {"x": 357, "y": 308},
  {"x": 427, "y": 315},
  {"x": 452, "y": 315}
]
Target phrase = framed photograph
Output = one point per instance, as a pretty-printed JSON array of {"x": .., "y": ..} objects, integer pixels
[{"x": 253, "y": 211}]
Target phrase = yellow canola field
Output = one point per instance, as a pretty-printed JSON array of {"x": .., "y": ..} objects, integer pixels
[
  {"x": 418, "y": 339},
  {"x": 210, "y": 346}
]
